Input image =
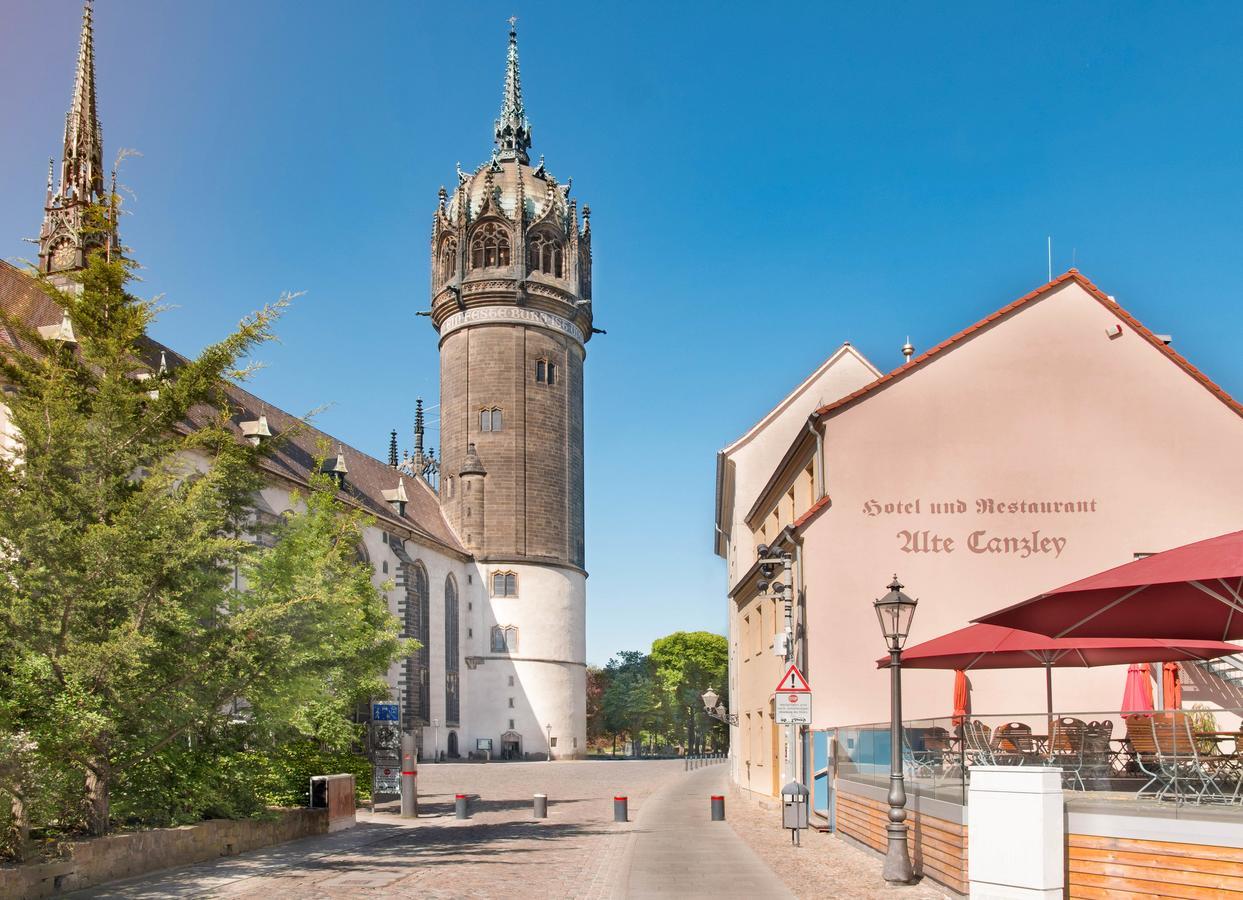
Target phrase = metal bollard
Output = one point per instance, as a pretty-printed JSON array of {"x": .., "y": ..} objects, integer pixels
[
  {"x": 718, "y": 808},
  {"x": 541, "y": 806},
  {"x": 619, "y": 809},
  {"x": 459, "y": 804}
]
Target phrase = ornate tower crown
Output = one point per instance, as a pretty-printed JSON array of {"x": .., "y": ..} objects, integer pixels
[
  {"x": 513, "y": 131},
  {"x": 66, "y": 235}
]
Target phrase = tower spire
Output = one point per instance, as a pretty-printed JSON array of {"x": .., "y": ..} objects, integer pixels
[
  {"x": 82, "y": 168},
  {"x": 67, "y": 236},
  {"x": 513, "y": 131}
]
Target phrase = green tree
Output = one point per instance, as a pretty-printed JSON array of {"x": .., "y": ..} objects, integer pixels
[
  {"x": 687, "y": 663},
  {"x": 631, "y": 700},
  {"x": 597, "y": 684},
  {"x": 124, "y": 528}
]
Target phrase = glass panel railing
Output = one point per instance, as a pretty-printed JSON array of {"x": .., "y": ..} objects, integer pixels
[{"x": 1170, "y": 758}]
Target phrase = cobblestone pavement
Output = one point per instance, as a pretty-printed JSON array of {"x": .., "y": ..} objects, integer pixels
[
  {"x": 669, "y": 848},
  {"x": 824, "y": 865}
]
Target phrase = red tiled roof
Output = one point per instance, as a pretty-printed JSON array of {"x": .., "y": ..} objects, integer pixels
[
  {"x": 808, "y": 517},
  {"x": 1072, "y": 275},
  {"x": 291, "y": 459}
]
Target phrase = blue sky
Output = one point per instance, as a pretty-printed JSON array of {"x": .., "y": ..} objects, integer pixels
[{"x": 766, "y": 181}]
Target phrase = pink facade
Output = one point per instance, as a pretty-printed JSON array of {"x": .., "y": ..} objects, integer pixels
[{"x": 1053, "y": 442}]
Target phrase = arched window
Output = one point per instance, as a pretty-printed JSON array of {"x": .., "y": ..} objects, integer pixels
[
  {"x": 504, "y": 584},
  {"x": 504, "y": 638},
  {"x": 490, "y": 419},
  {"x": 448, "y": 259},
  {"x": 489, "y": 247},
  {"x": 452, "y": 701},
  {"x": 416, "y": 617},
  {"x": 544, "y": 255}
]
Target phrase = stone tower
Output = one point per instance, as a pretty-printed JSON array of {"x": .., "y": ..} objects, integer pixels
[
  {"x": 511, "y": 300},
  {"x": 68, "y": 234}
]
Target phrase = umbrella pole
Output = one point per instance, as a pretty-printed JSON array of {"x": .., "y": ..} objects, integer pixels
[{"x": 1048, "y": 696}]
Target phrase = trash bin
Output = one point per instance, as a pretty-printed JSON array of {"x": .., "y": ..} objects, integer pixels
[{"x": 794, "y": 806}]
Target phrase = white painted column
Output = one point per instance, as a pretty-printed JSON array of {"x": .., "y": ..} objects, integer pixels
[{"x": 1016, "y": 834}]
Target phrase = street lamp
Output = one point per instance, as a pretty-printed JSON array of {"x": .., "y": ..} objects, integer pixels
[
  {"x": 895, "y": 611},
  {"x": 714, "y": 708},
  {"x": 548, "y": 728}
]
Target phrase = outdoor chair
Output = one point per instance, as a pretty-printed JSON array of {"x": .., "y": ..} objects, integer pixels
[
  {"x": 1067, "y": 745},
  {"x": 1166, "y": 752},
  {"x": 1098, "y": 755},
  {"x": 1013, "y": 745},
  {"x": 976, "y": 749}
]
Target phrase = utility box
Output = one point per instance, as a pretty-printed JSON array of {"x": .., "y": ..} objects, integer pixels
[
  {"x": 335, "y": 793},
  {"x": 794, "y": 806}
]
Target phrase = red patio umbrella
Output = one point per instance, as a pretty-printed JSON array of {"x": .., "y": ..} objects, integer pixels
[
  {"x": 1172, "y": 686},
  {"x": 1137, "y": 696},
  {"x": 1193, "y": 591},
  {"x": 962, "y": 697},
  {"x": 994, "y": 647}
]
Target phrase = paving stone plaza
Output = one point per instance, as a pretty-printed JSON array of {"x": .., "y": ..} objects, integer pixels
[{"x": 669, "y": 848}]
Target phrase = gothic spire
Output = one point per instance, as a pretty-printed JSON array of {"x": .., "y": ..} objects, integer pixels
[
  {"x": 67, "y": 235},
  {"x": 82, "y": 167},
  {"x": 513, "y": 131}
]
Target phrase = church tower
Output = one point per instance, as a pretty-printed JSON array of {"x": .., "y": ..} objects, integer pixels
[
  {"x": 511, "y": 301},
  {"x": 68, "y": 233}
]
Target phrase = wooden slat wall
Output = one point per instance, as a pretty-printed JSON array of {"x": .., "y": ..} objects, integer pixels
[
  {"x": 1115, "y": 866},
  {"x": 938, "y": 847}
]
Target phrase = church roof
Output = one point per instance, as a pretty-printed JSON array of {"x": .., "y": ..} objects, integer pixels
[{"x": 292, "y": 459}]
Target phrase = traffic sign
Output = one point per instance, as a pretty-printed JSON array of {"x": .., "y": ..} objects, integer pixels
[
  {"x": 387, "y": 780},
  {"x": 793, "y": 708},
  {"x": 792, "y": 680},
  {"x": 384, "y": 712}
]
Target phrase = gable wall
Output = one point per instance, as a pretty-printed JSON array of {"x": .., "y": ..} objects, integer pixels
[{"x": 1042, "y": 406}]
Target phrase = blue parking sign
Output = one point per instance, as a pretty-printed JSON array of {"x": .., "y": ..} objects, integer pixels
[{"x": 384, "y": 712}]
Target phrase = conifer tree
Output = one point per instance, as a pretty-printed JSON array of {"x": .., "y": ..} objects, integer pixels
[{"x": 126, "y": 531}]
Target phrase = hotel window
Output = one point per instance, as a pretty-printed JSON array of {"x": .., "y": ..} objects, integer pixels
[
  {"x": 511, "y": 724},
  {"x": 489, "y": 248},
  {"x": 504, "y": 638},
  {"x": 504, "y": 584},
  {"x": 490, "y": 419},
  {"x": 511, "y": 702}
]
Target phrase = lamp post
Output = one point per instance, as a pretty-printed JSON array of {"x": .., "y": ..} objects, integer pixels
[
  {"x": 548, "y": 728},
  {"x": 895, "y": 611},
  {"x": 716, "y": 709}
]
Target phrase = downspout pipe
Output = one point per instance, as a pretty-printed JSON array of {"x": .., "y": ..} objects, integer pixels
[{"x": 819, "y": 466}]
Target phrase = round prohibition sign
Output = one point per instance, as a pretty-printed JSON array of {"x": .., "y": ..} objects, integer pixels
[{"x": 794, "y": 698}]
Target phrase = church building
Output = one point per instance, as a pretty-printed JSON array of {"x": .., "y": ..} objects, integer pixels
[{"x": 483, "y": 546}]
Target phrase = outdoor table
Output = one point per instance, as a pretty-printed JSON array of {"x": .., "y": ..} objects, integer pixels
[{"x": 1217, "y": 737}]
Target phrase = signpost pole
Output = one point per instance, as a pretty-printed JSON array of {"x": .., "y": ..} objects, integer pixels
[{"x": 791, "y": 729}]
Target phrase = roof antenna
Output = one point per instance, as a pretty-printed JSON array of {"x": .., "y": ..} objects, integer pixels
[
  {"x": 1050, "y": 239},
  {"x": 908, "y": 350}
]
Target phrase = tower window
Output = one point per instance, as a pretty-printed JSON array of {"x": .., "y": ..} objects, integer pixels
[
  {"x": 504, "y": 638},
  {"x": 544, "y": 255},
  {"x": 490, "y": 419},
  {"x": 489, "y": 248},
  {"x": 504, "y": 584},
  {"x": 545, "y": 372},
  {"x": 449, "y": 486},
  {"x": 448, "y": 259}
]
